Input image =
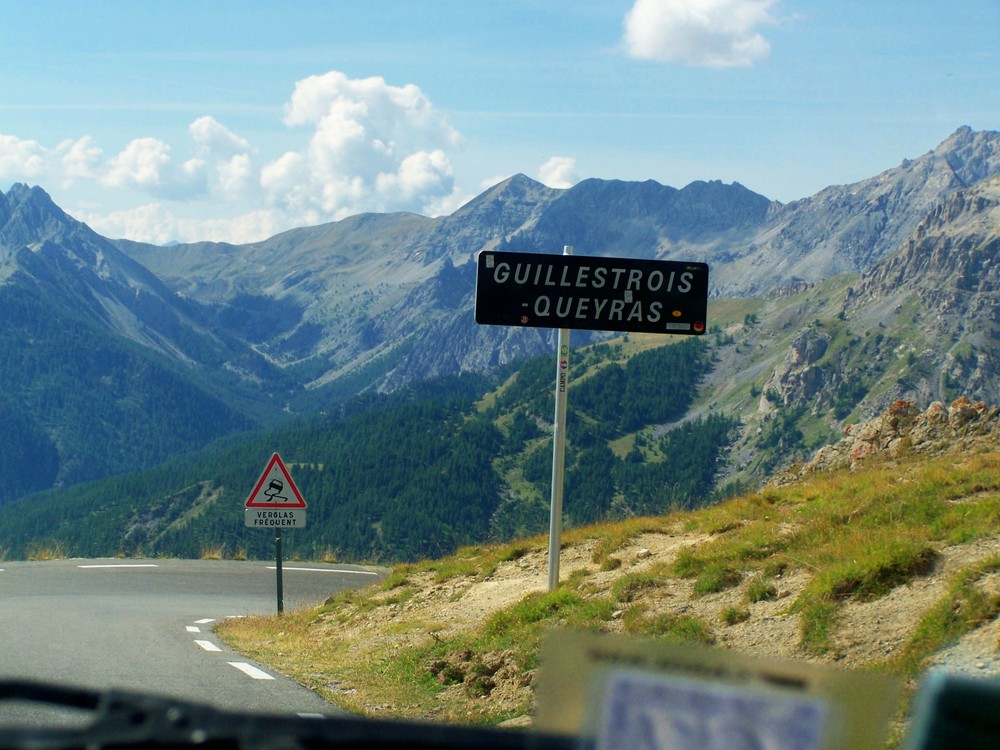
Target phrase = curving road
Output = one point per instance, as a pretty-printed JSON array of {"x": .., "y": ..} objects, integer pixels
[{"x": 148, "y": 625}]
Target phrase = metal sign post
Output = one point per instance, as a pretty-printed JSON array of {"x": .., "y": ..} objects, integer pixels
[
  {"x": 558, "y": 450},
  {"x": 277, "y": 570},
  {"x": 275, "y": 503}
]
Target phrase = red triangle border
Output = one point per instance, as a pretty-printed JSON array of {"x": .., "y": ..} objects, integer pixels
[{"x": 252, "y": 498}]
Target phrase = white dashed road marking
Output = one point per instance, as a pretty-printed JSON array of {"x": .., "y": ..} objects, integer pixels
[
  {"x": 250, "y": 670},
  {"x": 326, "y": 570},
  {"x": 119, "y": 565}
]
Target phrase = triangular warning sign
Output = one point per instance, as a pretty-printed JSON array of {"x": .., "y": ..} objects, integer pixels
[{"x": 275, "y": 488}]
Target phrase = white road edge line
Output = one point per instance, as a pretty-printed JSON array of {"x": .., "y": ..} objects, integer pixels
[
  {"x": 325, "y": 570},
  {"x": 208, "y": 645},
  {"x": 204, "y": 621},
  {"x": 120, "y": 565},
  {"x": 250, "y": 670}
]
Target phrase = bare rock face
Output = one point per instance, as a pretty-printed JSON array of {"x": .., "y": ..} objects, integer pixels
[
  {"x": 800, "y": 378},
  {"x": 904, "y": 428}
]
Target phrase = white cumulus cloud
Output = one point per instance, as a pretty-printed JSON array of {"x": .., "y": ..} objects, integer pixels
[
  {"x": 149, "y": 222},
  {"x": 711, "y": 33},
  {"x": 22, "y": 159},
  {"x": 559, "y": 172},
  {"x": 356, "y": 145},
  {"x": 374, "y": 147},
  {"x": 140, "y": 164},
  {"x": 80, "y": 159},
  {"x": 159, "y": 224},
  {"x": 216, "y": 139},
  {"x": 420, "y": 174},
  {"x": 146, "y": 164},
  {"x": 235, "y": 175}
]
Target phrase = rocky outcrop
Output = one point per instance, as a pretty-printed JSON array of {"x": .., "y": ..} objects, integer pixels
[
  {"x": 800, "y": 378},
  {"x": 903, "y": 429},
  {"x": 950, "y": 260}
]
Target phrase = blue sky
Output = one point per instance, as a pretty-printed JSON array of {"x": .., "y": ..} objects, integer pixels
[{"x": 164, "y": 121}]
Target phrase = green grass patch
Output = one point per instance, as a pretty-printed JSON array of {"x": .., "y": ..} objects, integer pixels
[
  {"x": 716, "y": 577},
  {"x": 629, "y": 586},
  {"x": 610, "y": 563},
  {"x": 760, "y": 589},
  {"x": 477, "y": 562},
  {"x": 666, "y": 627},
  {"x": 520, "y": 625},
  {"x": 875, "y": 570},
  {"x": 610, "y": 538},
  {"x": 819, "y": 617},
  {"x": 688, "y": 564},
  {"x": 52, "y": 550},
  {"x": 514, "y": 551},
  {"x": 399, "y": 576},
  {"x": 735, "y": 615}
]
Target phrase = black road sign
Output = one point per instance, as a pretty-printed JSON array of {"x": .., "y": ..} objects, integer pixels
[{"x": 603, "y": 294}]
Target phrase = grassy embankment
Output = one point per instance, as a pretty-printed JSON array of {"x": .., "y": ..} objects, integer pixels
[{"x": 804, "y": 553}]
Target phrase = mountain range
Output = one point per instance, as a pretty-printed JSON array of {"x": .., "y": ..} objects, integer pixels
[{"x": 116, "y": 355}]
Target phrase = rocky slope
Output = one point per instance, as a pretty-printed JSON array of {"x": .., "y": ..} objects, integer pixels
[
  {"x": 64, "y": 260},
  {"x": 905, "y": 429},
  {"x": 946, "y": 278}
]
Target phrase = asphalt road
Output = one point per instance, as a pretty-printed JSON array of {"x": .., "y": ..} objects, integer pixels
[{"x": 147, "y": 625}]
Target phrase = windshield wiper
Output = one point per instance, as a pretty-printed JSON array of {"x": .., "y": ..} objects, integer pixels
[{"x": 124, "y": 720}]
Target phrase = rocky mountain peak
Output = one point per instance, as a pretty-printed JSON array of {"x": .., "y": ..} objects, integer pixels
[
  {"x": 52, "y": 253},
  {"x": 21, "y": 192},
  {"x": 517, "y": 190},
  {"x": 27, "y": 215},
  {"x": 972, "y": 155}
]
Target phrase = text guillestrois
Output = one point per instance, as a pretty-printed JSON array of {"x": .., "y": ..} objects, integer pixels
[{"x": 585, "y": 277}]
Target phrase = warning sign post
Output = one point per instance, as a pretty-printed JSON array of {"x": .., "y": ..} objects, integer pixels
[{"x": 275, "y": 503}]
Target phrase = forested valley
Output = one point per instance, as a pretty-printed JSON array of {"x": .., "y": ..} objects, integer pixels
[{"x": 416, "y": 473}]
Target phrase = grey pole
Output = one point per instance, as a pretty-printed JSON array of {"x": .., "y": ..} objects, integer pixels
[
  {"x": 558, "y": 450},
  {"x": 277, "y": 568}
]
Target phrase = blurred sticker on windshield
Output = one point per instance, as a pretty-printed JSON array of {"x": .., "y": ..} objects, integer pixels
[
  {"x": 652, "y": 711},
  {"x": 624, "y": 692}
]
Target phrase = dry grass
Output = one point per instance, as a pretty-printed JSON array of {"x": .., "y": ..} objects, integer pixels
[
  {"x": 50, "y": 551},
  {"x": 434, "y": 639}
]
